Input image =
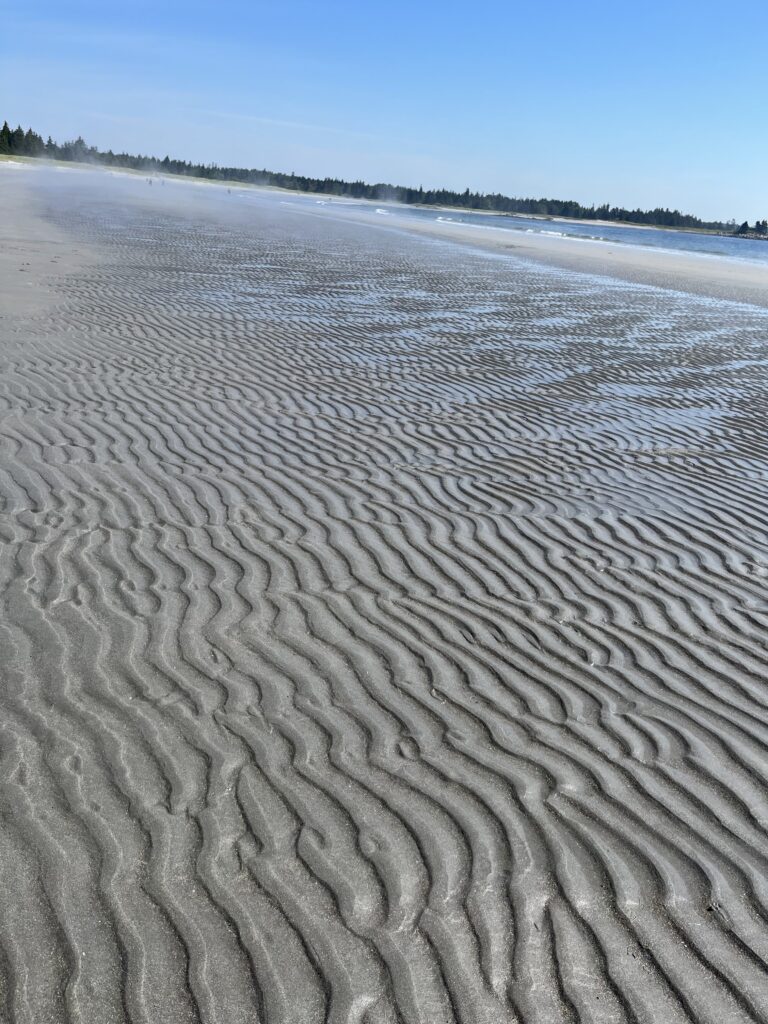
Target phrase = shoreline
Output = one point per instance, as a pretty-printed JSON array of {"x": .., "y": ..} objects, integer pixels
[
  {"x": 229, "y": 183},
  {"x": 703, "y": 274},
  {"x": 711, "y": 275}
]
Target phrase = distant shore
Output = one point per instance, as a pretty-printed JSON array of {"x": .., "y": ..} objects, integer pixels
[
  {"x": 717, "y": 277},
  {"x": 330, "y": 196},
  {"x": 548, "y": 219},
  {"x": 714, "y": 276}
]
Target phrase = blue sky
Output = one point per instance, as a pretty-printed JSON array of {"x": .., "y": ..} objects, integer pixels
[{"x": 632, "y": 103}]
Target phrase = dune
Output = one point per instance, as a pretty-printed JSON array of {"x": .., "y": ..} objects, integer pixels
[{"x": 383, "y": 624}]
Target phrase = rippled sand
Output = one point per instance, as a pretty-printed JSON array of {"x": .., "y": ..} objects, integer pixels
[{"x": 382, "y": 626}]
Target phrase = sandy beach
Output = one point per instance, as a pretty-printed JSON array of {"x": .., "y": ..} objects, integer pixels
[
  {"x": 382, "y": 620},
  {"x": 693, "y": 273}
]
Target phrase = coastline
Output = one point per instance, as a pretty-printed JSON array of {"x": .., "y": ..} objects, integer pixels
[
  {"x": 544, "y": 218},
  {"x": 717, "y": 277}
]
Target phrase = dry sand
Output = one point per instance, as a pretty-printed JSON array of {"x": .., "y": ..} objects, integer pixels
[{"x": 383, "y": 625}]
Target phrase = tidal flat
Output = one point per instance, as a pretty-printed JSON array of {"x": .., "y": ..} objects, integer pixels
[{"x": 383, "y": 620}]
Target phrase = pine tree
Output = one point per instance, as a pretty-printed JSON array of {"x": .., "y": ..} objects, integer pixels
[
  {"x": 30, "y": 143},
  {"x": 33, "y": 144}
]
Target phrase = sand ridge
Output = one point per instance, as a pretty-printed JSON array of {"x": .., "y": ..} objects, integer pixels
[{"x": 382, "y": 631}]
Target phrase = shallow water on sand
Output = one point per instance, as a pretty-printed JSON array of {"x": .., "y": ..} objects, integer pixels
[
  {"x": 383, "y": 632},
  {"x": 750, "y": 250}
]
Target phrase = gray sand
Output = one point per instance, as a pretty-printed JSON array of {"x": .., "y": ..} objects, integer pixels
[{"x": 383, "y": 624}]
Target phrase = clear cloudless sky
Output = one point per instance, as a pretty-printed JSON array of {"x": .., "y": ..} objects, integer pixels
[{"x": 662, "y": 102}]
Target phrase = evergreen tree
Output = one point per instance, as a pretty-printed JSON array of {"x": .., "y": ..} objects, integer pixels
[
  {"x": 33, "y": 144},
  {"x": 30, "y": 143}
]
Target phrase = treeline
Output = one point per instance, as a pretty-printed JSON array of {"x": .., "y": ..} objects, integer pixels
[
  {"x": 29, "y": 143},
  {"x": 760, "y": 230}
]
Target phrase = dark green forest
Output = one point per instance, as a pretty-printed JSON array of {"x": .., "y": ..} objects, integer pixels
[{"x": 29, "y": 143}]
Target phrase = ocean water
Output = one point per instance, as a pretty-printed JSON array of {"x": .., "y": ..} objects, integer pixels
[{"x": 749, "y": 249}]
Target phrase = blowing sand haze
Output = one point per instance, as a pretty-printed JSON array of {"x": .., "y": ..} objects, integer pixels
[{"x": 383, "y": 624}]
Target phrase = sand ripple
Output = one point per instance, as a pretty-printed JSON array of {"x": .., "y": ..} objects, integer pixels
[{"x": 383, "y": 633}]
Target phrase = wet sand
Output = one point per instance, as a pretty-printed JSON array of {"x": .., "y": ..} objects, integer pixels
[
  {"x": 383, "y": 624},
  {"x": 692, "y": 273}
]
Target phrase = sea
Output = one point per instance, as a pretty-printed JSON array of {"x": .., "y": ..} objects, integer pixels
[{"x": 750, "y": 249}]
